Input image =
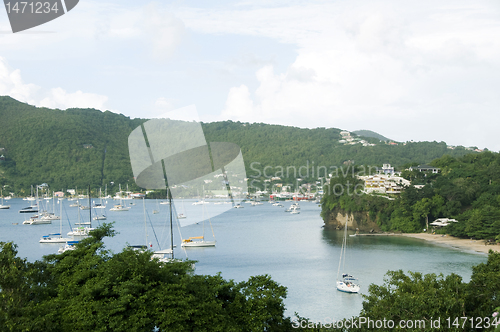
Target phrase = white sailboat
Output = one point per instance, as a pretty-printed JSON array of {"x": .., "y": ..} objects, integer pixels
[
  {"x": 56, "y": 237},
  {"x": 3, "y": 206},
  {"x": 70, "y": 245},
  {"x": 119, "y": 207},
  {"x": 167, "y": 255},
  {"x": 182, "y": 215},
  {"x": 347, "y": 283},
  {"x": 99, "y": 206},
  {"x": 199, "y": 241},
  {"x": 81, "y": 232}
]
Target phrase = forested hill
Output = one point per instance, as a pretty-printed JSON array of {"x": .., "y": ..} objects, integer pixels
[
  {"x": 78, "y": 147},
  {"x": 369, "y": 133}
]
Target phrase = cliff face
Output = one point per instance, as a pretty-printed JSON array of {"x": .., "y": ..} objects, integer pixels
[{"x": 355, "y": 221}]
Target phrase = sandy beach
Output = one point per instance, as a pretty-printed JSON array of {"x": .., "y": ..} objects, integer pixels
[{"x": 467, "y": 244}]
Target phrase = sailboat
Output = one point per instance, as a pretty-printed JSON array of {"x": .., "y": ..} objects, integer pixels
[
  {"x": 163, "y": 255},
  {"x": 99, "y": 206},
  {"x": 33, "y": 208},
  {"x": 2, "y": 206},
  {"x": 199, "y": 241},
  {"x": 119, "y": 207},
  {"x": 347, "y": 283},
  {"x": 56, "y": 237},
  {"x": 181, "y": 215},
  {"x": 80, "y": 231}
]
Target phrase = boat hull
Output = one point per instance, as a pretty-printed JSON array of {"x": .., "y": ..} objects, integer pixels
[
  {"x": 198, "y": 244},
  {"x": 55, "y": 240},
  {"x": 347, "y": 288}
]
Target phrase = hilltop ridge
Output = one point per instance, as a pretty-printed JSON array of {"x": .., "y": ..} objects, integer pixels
[{"x": 78, "y": 147}]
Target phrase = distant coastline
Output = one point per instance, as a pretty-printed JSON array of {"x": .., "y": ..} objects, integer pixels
[{"x": 454, "y": 242}]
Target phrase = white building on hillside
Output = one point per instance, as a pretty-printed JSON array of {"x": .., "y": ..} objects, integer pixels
[{"x": 384, "y": 183}]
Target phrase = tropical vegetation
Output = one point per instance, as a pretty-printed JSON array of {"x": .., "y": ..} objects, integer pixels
[
  {"x": 466, "y": 189},
  {"x": 92, "y": 289},
  {"x": 75, "y": 148}
]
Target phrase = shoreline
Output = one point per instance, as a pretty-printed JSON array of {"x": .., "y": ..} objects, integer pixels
[{"x": 454, "y": 242}]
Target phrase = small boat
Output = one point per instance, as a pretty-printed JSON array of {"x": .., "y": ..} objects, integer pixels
[
  {"x": 238, "y": 206},
  {"x": 3, "y": 206},
  {"x": 54, "y": 238},
  {"x": 197, "y": 241},
  {"x": 77, "y": 204},
  {"x": 36, "y": 220},
  {"x": 294, "y": 211},
  {"x": 98, "y": 206},
  {"x": 29, "y": 209},
  {"x": 181, "y": 216},
  {"x": 119, "y": 208},
  {"x": 49, "y": 216},
  {"x": 348, "y": 284},
  {"x": 70, "y": 245},
  {"x": 80, "y": 232}
]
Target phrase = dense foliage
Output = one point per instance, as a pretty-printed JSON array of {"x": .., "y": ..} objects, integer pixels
[
  {"x": 91, "y": 289},
  {"x": 78, "y": 147},
  {"x": 466, "y": 189},
  {"x": 65, "y": 149}
]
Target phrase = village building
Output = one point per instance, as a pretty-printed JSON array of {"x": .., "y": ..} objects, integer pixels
[
  {"x": 424, "y": 168},
  {"x": 384, "y": 184}
]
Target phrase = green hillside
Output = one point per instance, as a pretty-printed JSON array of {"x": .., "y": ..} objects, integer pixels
[
  {"x": 466, "y": 189},
  {"x": 78, "y": 147},
  {"x": 64, "y": 149},
  {"x": 369, "y": 133}
]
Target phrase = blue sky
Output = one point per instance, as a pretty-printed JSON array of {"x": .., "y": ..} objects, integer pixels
[{"x": 421, "y": 70}]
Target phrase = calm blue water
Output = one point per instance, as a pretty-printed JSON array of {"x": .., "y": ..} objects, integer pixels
[{"x": 294, "y": 249}]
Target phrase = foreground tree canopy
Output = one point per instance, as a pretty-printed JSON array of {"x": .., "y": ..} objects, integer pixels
[{"x": 91, "y": 289}]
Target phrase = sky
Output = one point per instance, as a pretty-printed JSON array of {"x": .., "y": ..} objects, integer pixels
[{"x": 409, "y": 70}]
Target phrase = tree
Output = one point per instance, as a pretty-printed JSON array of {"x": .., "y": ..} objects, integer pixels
[
  {"x": 91, "y": 289},
  {"x": 484, "y": 287}
]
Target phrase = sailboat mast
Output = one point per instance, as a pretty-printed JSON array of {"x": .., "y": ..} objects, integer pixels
[
  {"x": 145, "y": 221},
  {"x": 171, "y": 224},
  {"x": 90, "y": 210},
  {"x": 60, "y": 218}
]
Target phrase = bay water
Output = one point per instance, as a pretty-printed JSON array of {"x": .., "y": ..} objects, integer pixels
[{"x": 294, "y": 249}]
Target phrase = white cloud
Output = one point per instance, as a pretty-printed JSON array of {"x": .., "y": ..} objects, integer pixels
[
  {"x": 11, "y": 84},
  {"x": 402, "y": 69},
  {"x": 59, "y": 98}
]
